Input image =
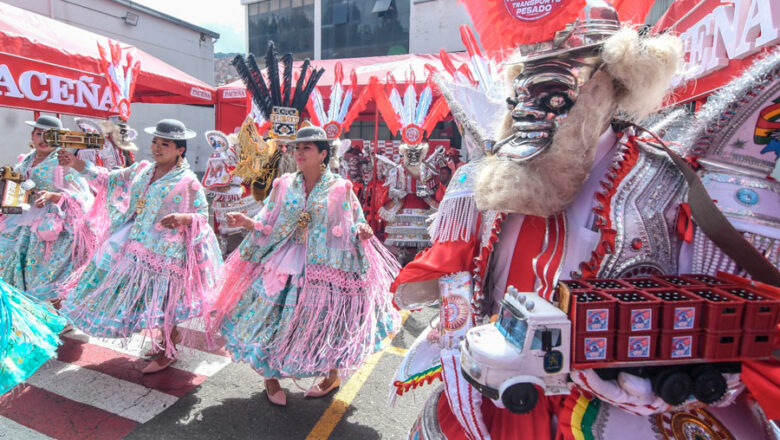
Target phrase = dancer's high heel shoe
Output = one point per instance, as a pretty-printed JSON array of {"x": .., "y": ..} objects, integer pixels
[
  {"x": 160, "y": 363},
  {"x": 279, "y": 397},
  {"x": 317, "y": 391}
]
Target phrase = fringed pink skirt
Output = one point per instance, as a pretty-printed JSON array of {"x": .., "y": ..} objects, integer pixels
[
  {"x": 304, "y": 325},
  {"x": 127, "y": 288}
]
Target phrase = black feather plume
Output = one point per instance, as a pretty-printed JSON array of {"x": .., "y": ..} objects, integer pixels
[
  {"x": 251, "y": 85},
  {"x": 310, "y": 84},
  {"x": 296, "y": 101},
  {"x": 265, "y": 94},
  {"x": 287, "y": 62},
  {"x": 272, "y": 66}
]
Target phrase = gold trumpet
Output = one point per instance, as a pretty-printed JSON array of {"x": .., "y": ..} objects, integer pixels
[{"x": 73, "y": 139}]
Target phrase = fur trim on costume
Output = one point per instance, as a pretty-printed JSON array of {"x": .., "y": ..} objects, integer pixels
[
  {"x": 546, "y": 184},
  {"x": 644, "y": 68},
  {"x": 112, "y": 129}
]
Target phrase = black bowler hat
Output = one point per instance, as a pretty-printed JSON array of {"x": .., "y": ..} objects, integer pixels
[
  {"x": 46, "y": 122},
  {"x": 171, "y": 129}
]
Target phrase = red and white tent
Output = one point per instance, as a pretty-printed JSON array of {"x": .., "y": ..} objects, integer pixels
[
  {"x": 232, "y": 97},
  {"x": 720, "y": 40},
  {"x": 47, "y": 65}
]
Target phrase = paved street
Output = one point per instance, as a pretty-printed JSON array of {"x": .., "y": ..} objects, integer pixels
[{"x": 95, "y": 390}]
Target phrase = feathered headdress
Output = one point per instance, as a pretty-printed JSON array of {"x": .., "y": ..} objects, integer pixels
[
  {"x": 276, "y": 91},
  {"x": 413, "y": 116},
  {"x": 339, "y": 116},
  {"x": 121, "y": 73},
  {"x": 475, "y": 91}
]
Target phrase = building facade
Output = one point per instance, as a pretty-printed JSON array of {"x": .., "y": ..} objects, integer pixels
[
  {"x": 328, "y": 29},
  {"x": 185, "y": 46}
]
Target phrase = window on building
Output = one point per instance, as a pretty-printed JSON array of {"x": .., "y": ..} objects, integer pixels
[
  {"x": 360, "y": 28},
  {"x": 382, "y": 6},
  {"x": 288, "y": 23}
]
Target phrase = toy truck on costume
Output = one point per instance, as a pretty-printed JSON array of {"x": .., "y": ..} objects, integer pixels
[{"x": 681, "y": 332}]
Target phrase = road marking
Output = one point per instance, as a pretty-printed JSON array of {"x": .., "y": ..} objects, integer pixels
[
  {"x": 343, "y": 398},
  {"x": 11, "y": 430},
  {"x": 95, "y": 388},
  {"x": 191, "y": 360},
  {"x": 397, "y": 350},
  {"x": 126, "y": 399},
  {"x": 347, "y": 393}
]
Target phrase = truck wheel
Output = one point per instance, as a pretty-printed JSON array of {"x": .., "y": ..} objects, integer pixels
[
  {"x": 673, "y": 387},
  {"x": 709, "y": 386},
  {"x": 520, "y": 398}
]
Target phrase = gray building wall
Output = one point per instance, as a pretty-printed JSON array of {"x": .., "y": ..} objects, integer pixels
[
  {"x": 182, "y": 45},
  {"x": 433, "y": 24}
]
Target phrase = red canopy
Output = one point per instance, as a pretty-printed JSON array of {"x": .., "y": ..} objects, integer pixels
[
  {"x": 51, "y": 66},
  {"x": 232, "y": 97},
  {"x": 720, "y": 40}
]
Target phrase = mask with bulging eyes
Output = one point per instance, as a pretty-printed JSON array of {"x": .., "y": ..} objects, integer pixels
[
  {"x": 543, "y": 95},
  {"x": 412, "y": 155}
]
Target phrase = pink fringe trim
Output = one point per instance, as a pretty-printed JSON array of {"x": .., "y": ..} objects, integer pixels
[
  {"x": 335, "y": 320},
  {"x": 139, "y": 271},
  {"x": 85, "y": 240},
  {"x": 236, "y": 277},
  {"x": 98, "y": 214}
]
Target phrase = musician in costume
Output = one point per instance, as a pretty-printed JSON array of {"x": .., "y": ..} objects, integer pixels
[
  {"x": 28, "y": 336},
  {"x": 44, "y": 244},
  {"x": 118, "y": 149},
  {"x": 560, "y": 194},
  {"x": 410, "y": 195},
  {"x": 226, "y": 190},
  {"x": 156, "y": 265},
  {"x": 306, "y": 293},
  {"x": 277, "y": 106},
  {"x": 356, "y": 166}
]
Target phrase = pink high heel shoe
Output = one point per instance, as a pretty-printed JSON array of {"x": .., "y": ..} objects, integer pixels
[
  {"x": 160, "y": 363},
  {"x": 278, "y": 398},
  {"x": 316, "y": 391}
]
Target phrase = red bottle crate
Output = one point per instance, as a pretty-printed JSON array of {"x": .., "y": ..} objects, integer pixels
[
  {"x": 637, "y": 311},
  {"x": 608, "y": 284},
  {"x": 646, "y": 283},
  {"x": 594, "y": 347},
  {"x": 720, "y": 344},
  {"x": 681, "y": 311},
  {"x": 593, "y": 312},
  {"x": 761, "y": 311},
  {"x": 678, "y": 281},
  {"x": 757, "y": 344},
  {"x": 722, "y": 311},
  {"x": 577, "y": 285},
  {"x": 679, "y": 345},
  {"x": 708, "y": 280},
  {"x": 636, "y": 346}
]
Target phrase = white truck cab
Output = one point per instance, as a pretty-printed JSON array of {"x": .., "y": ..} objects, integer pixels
[{"x": 529, "y": 344}]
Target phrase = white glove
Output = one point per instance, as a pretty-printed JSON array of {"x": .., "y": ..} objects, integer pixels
[
  {"x": 635, "y": 394},
  {"x": 465, "y": 402}
]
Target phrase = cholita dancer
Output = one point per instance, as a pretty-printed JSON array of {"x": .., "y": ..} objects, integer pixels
[
  {"x": 158, "y": 262},
  {"x": 42, "y": 246},
  {"x": 306, "y": 293}
]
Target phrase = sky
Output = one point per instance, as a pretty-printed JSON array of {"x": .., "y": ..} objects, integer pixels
[{"x": 225, "y": 17}]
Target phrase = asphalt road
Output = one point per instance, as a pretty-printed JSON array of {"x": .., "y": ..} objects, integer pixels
[{"x": 232, "y": 404}]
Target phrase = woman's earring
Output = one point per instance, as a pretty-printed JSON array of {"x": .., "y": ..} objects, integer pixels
[
  {"x": 178, "y": 162},
  {"x": 323, "y": 168}
]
